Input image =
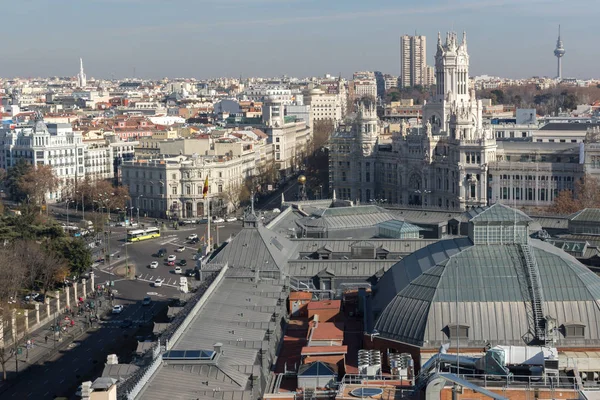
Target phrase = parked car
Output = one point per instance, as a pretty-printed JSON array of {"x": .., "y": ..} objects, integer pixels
[
  {"x": 172, "y": 257},
  {"x": 276, "y": 210},
  {"x": 158, "y": 282},
  {"x": 202, "y": 221},
  {"x": 154, "y": 264},
  {"x": 171, "y": 263},
  {"x": 194, "y": 241},
  {"x": 190, "y": 272},
  {"x": 192, "y": 236},
  {"x": 117, "y": 309},
  {"x": 180, "y": 249},
  {"x": 177, "y": 270},
  {"x": 230, "y": 219},
  {"x": 147, "y": 300},
  {"x": 218, "y": 220},
  {"x": 161, "y": 252},
  {"x": 183, "y": 263}
]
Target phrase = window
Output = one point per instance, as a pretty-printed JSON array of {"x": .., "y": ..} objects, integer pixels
[
  {"x": 174, "y": 190},
  {"x": 174, "y": 176},
  {"x": 276, "y": 140},
  {"x": 574, "y": 330},
  {"x": 458, "y": 331},
  {"x": 220, "y": 174},
  {"x": 220, "y": 189}
]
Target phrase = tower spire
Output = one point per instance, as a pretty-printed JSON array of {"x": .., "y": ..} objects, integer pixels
[
  {"x": 559, "y": 52},
  {"x": 81, "y": 79}
]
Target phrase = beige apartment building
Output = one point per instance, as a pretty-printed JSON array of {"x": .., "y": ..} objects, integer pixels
[
  {"x": 171, "y": 187},
  {"x": 413, "y": 61}
]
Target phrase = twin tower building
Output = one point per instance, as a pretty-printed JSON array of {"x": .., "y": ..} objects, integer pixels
[{"x": 443, "y": 162}]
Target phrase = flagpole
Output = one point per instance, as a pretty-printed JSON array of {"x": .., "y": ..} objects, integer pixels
[{"x": 208, "y": 248}]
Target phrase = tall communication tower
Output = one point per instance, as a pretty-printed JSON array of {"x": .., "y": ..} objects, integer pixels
[{"x": 559, "y": 52}]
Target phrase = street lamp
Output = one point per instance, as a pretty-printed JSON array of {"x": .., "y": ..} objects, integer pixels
[
  {"x": 68, "y": 202},
  {"x": 138, "y": 208},
  {"x": 82, "y": 205}
]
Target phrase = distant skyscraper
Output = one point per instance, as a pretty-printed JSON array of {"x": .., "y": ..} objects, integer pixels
[
  {"x": 413, "y": 63},
  {"x": 559, "y": 52},
  {"x": 81, "y": 79}
]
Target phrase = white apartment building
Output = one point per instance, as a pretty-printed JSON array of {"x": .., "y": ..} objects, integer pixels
[
  {"x": 324, "y": 106},
  {"x": 365, "y": 87},
  {"x": 103, "y": 156},
  {"x": 171, "y": 187},
  {"x": 41, "y": 144},
  {"x": 262, "y": 92},
  {"x": 390, "y": 81},
  {"x": 71, "y": 157},
  {"x": 289, "y": 135}
]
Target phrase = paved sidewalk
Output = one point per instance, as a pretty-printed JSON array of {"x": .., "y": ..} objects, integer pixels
[{"x": 42, "y": 350}]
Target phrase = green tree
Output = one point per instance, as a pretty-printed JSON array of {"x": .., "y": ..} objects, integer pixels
[
  {"x": 13, "y": 177},
  {"x": 77, "y": 254}
]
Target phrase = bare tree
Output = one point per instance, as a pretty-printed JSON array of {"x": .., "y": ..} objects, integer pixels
[
  {"x": 231, "y": 194},
  {"x": 37, "y": 182},
  {"x": 12, "y": 277}
]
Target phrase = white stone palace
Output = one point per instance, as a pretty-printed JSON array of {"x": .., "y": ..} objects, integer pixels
[{"x": 452, "y": 159}]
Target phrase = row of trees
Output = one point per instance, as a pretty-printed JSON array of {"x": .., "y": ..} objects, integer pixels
[
  {"x": 545, "y": 101},
  {"x": 586, "y": 195},
  {"x": 96, "y": 194},
  {"x": 26, "y": 183}
]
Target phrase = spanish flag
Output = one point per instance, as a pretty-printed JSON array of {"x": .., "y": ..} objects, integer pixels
[{"x": 205, "y": 189}]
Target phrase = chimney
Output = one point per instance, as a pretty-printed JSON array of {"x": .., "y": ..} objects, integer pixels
[
  {"x": 217, "y": 347},
  {"x": 86, "y": 390},
  {"x": 112, "y": 359}
]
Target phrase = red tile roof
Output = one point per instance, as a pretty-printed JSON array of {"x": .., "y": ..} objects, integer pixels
[
  {"x": 324, "y": 350},
  {"x": 328, "y": 331},
  {"x": 325, "y": 305},
  {"x": 300, "y": 296}
]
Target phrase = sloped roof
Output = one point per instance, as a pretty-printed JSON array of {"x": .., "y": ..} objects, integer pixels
[
  {"x": 399, "y": 226},
  {"x": 498, "y": 212},
  {"x": 257, "y": 248},
  {"x": 317, "y": 368},
  {"x": 484, "y": 283},
  {"x": 586, "y": 215},
  {"x": 347, "y": 217}
]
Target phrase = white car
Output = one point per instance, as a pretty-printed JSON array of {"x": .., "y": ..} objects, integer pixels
[
  {"x": 172, "y": 257},
  {"x": 158, "y": 282},
  {"x": 276, "y": 210},
  {"x": 180, "y": 249},
  {"x": 230, "y": 219},
  {"x": 154, "y": 264},
  {"x": 218, "y": 220},
  {"x": 177, "y": 270},
  {"x": 118, "y": 309},
  {"x": 192, "y": 236},
  {"x": 198, "y": 257}
]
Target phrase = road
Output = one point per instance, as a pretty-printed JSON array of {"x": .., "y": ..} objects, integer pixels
[
  {"x": 290, "y": 191},
  {"x": 85, "y": 358}
]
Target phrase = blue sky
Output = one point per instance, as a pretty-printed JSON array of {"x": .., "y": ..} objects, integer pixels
[{"x": 211, "y": 38}]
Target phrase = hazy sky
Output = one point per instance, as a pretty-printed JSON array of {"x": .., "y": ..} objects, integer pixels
[{"x": 211, "y": 38}]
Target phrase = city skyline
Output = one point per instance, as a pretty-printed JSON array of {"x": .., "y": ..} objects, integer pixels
[{"x": 209, "y": 38}]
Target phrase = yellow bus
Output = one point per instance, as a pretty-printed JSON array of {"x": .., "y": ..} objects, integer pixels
[{"x": 143, "y": 234}]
